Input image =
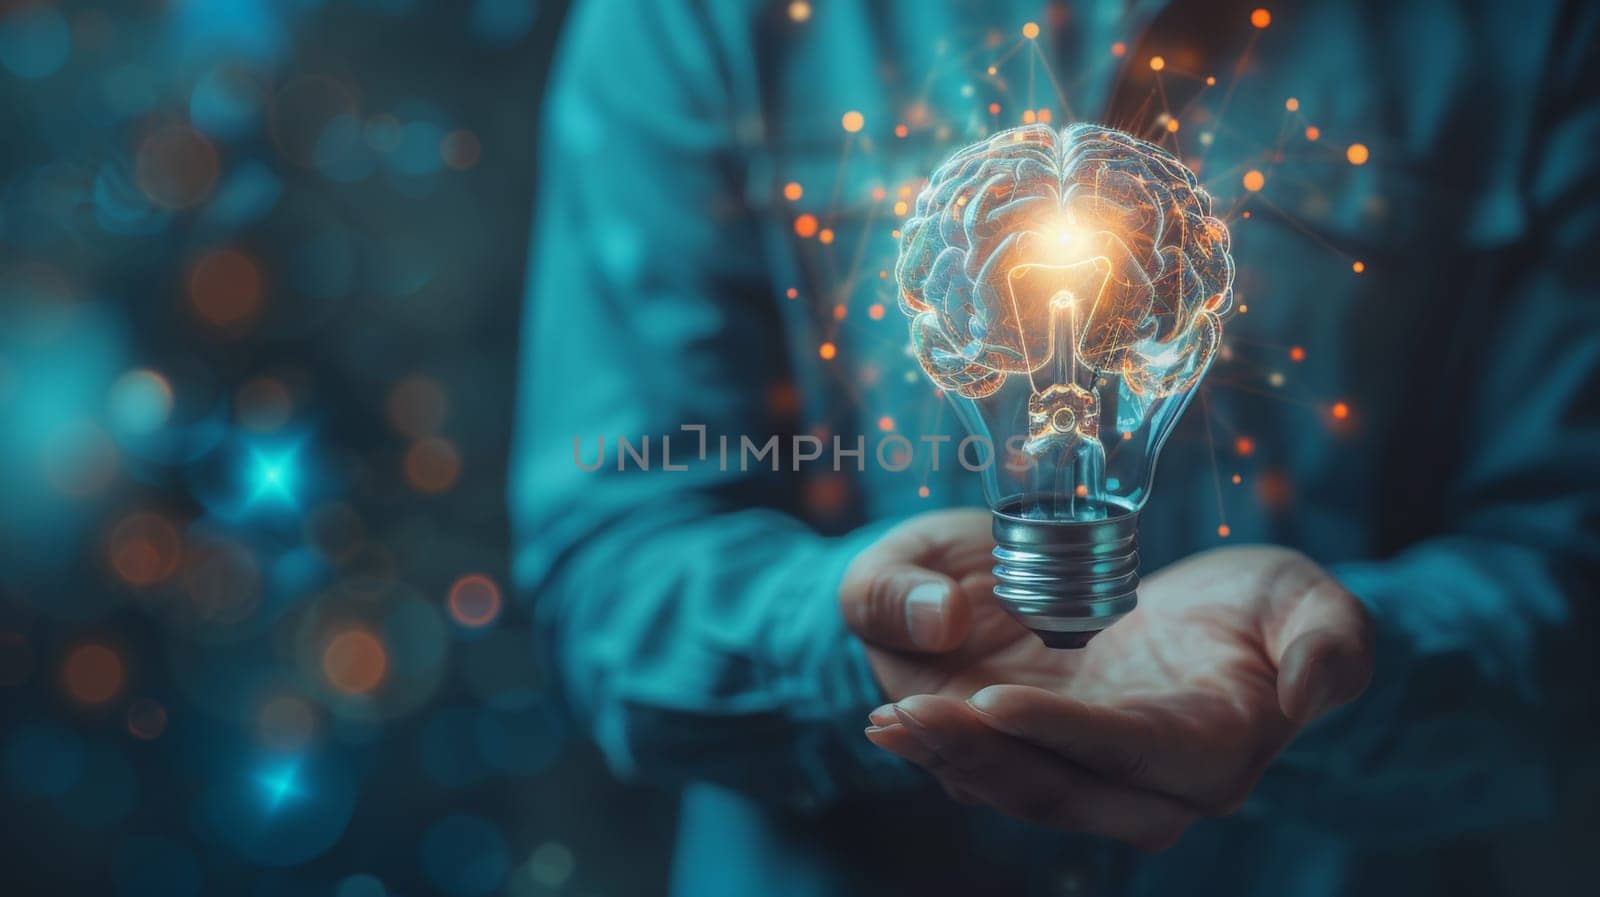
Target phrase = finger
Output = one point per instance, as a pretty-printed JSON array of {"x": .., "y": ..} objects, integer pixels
[
  {"x": 1323, "y": 648},
  {"x": 1145, "y": 749},
  {"x": 901, "y": 606},
  {"x": 1029, "y": 783}
]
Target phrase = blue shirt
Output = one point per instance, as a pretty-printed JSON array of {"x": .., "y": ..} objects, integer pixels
[{"x": 1433, "y": 440}]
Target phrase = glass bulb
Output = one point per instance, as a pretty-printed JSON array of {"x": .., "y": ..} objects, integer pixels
[{"x": 1066, "y": 290}]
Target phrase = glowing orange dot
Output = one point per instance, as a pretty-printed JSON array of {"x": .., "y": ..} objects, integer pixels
[
  {"x": 1157, "y": 63},
  {"x": 1340, "y": 410},
  {"x": 1119, "y": 48},
  {"x": 853, "y": 121},
  {"x": 877, "y": 193},
  {"x": 1297, "y": 354},
  {"x": 1224, "y": 531},
  {"x": 1211, "y": 80},
  {"x": 1172, "y": 125},
  {"x": 1030, "y": 30},
  {"x": 92, "y": 673},
  {"x": 992, "y": 70},
  {"x": 825, "y": 235},
  {"x": 799, "y": 11},
  {"x": 1082, "y": 491},
  {"x": 895, "y": 233},
  {"x": 1237, "y": 479},
  {"x": 882, "y": 274},
  {"x": 144, "y": 549},
  {"x": 994, "y": 108},
  {"x": 354, "y": 661},
  {"x": 1357, "y": 153},
  {"x": 1291, "y": 104},
  {"x": 1313, "y": 132},
  {"x": 922, "y": 492},
  {"x": 432, "y": 465},
  {"x": 1244, "y": 309},
  {"x": 900, "y": 207},
  {"x": 791, "y": 292},
  {"x": 1127, "y": 435},
  {"x": 1245, "y": 446},
  {"x": 1044, "y": 115},
  {"x": 901, "y": 130},
  {"x": 460, "y": 149},
  {"x": 1028, "y": 116},
  {"x": 1260, "y": 18},
  {"x": 827, "y": 351},
  {"x": 474, "y": 600},
  {"x": 225, "y": 287},
  {"x": 886, "y": 423},
  {"x": 839, "y": 311},
  {"x": 875, "y": 312},
  {"x": 793, "y": 191},
  {"x": 806, "y": 225},
  {"x": 1254, "y": 180},
  {"x": 1358, "y": 266}
]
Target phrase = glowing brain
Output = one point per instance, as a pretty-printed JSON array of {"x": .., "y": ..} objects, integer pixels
[{"x": 1083, "y": 253}]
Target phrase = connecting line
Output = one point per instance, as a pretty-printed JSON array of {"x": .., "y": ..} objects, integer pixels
[{"x": 1055, "y": 85}]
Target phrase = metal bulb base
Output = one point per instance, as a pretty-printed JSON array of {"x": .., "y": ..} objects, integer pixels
[{"x": 1066, "y": 580}]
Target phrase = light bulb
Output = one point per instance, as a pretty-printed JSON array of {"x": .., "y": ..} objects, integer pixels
[{"x": 1066, "y": 290}]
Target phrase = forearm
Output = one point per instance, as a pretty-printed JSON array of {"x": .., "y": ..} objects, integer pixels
[
  {"x": 709, "y": 647},
  {"x": 1456, "y": 732}
]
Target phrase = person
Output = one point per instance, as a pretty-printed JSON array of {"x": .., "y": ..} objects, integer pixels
[{"x": 1417, "y": 498}]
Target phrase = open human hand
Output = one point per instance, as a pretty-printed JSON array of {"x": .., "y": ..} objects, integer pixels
[{"x": 1173, "y": 713}]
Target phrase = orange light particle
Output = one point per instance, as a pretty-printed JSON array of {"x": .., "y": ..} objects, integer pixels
[
  {"x": 432, "y": 465},
  {"x": 878, "y": 193},
  {"x": 354, "y": 661},
  {"x": 1291, "y": 104},
  {"x": 1313, "y": 132},
  {"x": 1044, "y": 115},
  {"x": 875, "y": 312},
  {"x": 991, "y": 70},
  {"x": 1254, "y": 180},
  {"x": 1082, "y": 491},
  {"x": 793, "y": 191},
  {"x": 1358, "y": 266},
  {"x": 1028, "y": 116},
  {"x": 901, "y": 130},
  {"x": 994, "y": 108},
  {"x": 922, "y": 492},
  {"x": 1211, "y": 80},
  {"x": 474, "y": 600},
  {"x": 225, "y": 287},
  {"x": 92, "y": 673},
  {"x": 1030, "y": 30},
  {"x": 799, "y": 11},
  {"x": 825, "y": 235},
  {"x": 1157, "y": 63},
  {"x": 1119, "y": 49},
  {"x": 900, "y": 207},
  {"x": 805, "y": 226},
  {"x": 1260, "y": 18},
  {"x": 1237, "y": 479},
  {"x": 1172, "y": 125},
  {"x": 839, "y": 311},
  {"x": 853, "y": 121},
  {"x": 827, "y": 351},
  {"x": 1224, "y": 531},
  {"x": 886, "y": 423},
  {"x": 1244, "y": 446},
  {"x": 1340, "y": 411},
  {"x": 791, "y": 292},
  {"x": 1357, "y": 153},
  {"x": 1297, "y": 354}
]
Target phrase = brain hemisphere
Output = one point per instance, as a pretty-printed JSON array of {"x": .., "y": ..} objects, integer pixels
[{"x": 1085, "y": 249}]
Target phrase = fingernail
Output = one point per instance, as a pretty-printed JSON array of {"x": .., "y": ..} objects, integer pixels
[
  {"x": 882, "y": 716},
  {"x": 925, "y": 616},
  {"x": 984, "y": 701},
  {"x": 1338, "y": 681},
  {"x": 916, "y": 728}
]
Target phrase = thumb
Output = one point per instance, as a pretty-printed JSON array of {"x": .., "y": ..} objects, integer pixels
[
  {"x": 904, "y": 607},
  {"x": 1325, "y": 655}
]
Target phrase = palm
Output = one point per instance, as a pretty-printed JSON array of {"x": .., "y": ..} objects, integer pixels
[{"x": 1190, "y": 656}]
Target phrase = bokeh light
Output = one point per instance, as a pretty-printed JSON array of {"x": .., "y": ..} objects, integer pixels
[
  {"x": 474, "y": 600},
  {"x": 355, "y": 661},
  {"x": 93, "y": 673}
]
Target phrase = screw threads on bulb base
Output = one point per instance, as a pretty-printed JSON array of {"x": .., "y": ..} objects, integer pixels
[{"x": 1066, "y": 579}]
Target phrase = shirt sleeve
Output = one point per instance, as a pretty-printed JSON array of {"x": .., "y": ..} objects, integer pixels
[
  {"x": 692, "y": 618},
  {"x": 1473, "y": 720}
]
